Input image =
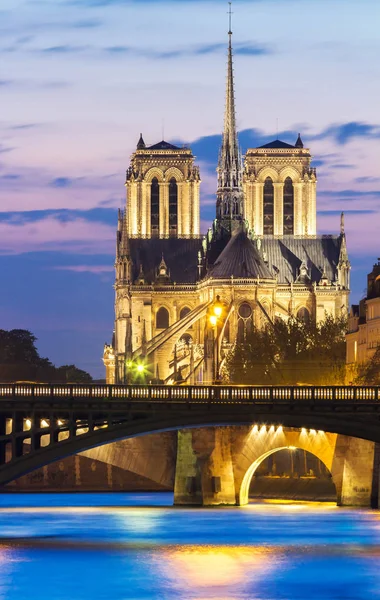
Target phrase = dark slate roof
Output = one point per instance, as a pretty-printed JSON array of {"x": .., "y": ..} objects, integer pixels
[
  {"x": 241, "y": 259},
  {"x": 284, "y": 256},
  {"x": 277, "y": 144},
  {"x": 163, "y": 146},
  {"x": 180, "y": 255}
]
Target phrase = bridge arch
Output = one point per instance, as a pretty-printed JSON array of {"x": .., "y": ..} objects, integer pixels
[{"x": 261, "y": 444}]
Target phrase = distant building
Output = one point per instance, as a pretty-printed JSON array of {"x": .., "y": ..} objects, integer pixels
[
  {"x": 363, "y": 335},
  {"x": 261, "y": 258}
]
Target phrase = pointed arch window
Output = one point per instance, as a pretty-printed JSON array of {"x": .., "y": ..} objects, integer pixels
[
  {"x": 173, "y": 206},
  {"x": 268, "y": 207},
  {"x": 288, "y": 207},
  {"x": 154, "y": 206},
  {"x": 162, "y": 318}
]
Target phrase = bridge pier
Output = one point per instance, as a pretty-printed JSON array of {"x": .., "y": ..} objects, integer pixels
[
  {"x": 353, "y": 472},
  {"x": 204, "y": 471}
]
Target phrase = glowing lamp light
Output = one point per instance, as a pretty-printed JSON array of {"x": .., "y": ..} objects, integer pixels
[
  {"x": 218, "y": 310},
  {"x": 303, "y": 430},
  {"x": 292, "y": 448},
  {"x": 213, "y": 320},
  {"x": 313, "y": 432},
  {"x": 279, "y": 428},
  {"x": 44, "y": 423},
  {"x": 140, "y": 368},
  {"x": 129, "y": 364},
  {"x": 28, "y": 423}
]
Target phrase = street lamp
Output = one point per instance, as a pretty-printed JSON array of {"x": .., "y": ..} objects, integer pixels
[{"x": 215, "y": 319}]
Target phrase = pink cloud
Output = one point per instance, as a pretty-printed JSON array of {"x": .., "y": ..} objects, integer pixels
[
  {"x": 96, "y": 269},
  {"x": 362, "y": 232},
  {"x": 51, "y": 234}
]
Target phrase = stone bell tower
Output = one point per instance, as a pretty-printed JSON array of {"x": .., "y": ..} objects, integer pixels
[
  {"x": 280, "y": 190},
  {"x": 162, "y": 192}
]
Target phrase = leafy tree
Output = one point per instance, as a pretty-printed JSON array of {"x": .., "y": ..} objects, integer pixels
[
  {"x": 369, "y": 372},
  {"x": 290, "y": 352},
  {"x": 18, "y": 346},
  {"x": 20, "y": 361},
  {"x": 72, "y": 374}
]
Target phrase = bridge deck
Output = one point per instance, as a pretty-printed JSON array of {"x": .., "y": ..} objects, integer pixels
[{"x": 194, "y": 394}]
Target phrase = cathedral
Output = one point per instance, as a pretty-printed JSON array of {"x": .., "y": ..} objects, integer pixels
[{"x": 183, "y": 298}]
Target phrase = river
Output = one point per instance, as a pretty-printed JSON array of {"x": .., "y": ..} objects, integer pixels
[{"x": 136, "y": 546}]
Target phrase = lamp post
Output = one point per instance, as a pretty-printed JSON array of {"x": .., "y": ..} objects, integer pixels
[{"x": 215, "y": 319}]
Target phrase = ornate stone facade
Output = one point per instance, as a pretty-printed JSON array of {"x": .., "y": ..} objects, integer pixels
[
  {"x": 363, "y": 337},
  {"x": 162, "y": 192},
  {"x": 261, "y": 260}
]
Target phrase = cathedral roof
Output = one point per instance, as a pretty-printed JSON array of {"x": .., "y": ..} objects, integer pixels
[
  {"x": 240, "y": 259},
  {"x": 277, "y": 144},
  {"x": 163, "y": 146},
  {"x": 181, "y": 258},
  {"x": 285, "y": 255}
]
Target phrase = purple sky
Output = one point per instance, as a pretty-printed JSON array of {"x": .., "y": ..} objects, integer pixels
[{"x": 79, "y": 80}]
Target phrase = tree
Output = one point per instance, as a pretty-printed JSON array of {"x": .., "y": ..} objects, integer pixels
[
  {"x": 290, "y": 352},
  {"x": 369, "y": 372},
  {"x": 20, "y": 361},
  {"x": 72, "y": 374}
]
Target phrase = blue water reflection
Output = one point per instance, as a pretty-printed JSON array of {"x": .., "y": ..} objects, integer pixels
[{"x": 135, "y": 546}]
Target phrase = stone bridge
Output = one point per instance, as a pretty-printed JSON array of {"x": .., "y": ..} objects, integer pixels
[{"x": 242, "y": 425}]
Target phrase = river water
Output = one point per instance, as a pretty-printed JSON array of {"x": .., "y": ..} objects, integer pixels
[{"x": 123, "y": 546}]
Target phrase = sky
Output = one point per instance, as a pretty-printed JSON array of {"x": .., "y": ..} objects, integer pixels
[{"x": 79, "y": 81}]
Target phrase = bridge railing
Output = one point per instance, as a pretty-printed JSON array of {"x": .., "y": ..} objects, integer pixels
[{"x": 193, "y": 394}]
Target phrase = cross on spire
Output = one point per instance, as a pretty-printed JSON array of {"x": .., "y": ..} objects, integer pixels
[{"x": 230, "y": 13}]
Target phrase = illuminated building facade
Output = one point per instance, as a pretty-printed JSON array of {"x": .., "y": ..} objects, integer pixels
[
  {"x": 261, "y": 258},
  {"x": 363, "y": 337}
]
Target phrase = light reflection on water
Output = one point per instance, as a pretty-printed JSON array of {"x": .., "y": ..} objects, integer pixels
[{"x": 88, "y": 546}]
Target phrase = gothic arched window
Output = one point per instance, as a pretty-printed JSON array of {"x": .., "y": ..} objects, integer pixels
[
  {"x": 303, "y": 314},
  {"x": 154, "y": 206},
  {"x": 288, "y": 207},
  {"x": 268, "y": 207},
  {"x": 245, "y": 321},
  {"x": 162, "y": 318},
  {"x": 173, "y": 206},
  {"x": 184, "y": 311}
]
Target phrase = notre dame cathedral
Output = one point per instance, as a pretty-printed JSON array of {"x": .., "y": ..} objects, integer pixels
[{"x": 261, "y": 260}]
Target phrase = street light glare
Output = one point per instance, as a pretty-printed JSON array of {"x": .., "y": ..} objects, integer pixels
[
  {"x": 213, "y": 320},
  {"x": 218, "y": 310},
  {"x": 140, "y": 368}
]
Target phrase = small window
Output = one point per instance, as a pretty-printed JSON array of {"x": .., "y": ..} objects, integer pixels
[
  {"x": 162, "y": 318},
  {"x": 184, "y": 311},
  {"x": 303, "y": 315},
  {"x": 288, "y": 207},
  {"x": 173, "y": 206},
  {"x": 154, "y": 205},
  {"x": 245, "y": 310},
  {"x": 268, "y": 207}
]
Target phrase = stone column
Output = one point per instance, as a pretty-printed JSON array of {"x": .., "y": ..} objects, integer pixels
[
  {"x": 298, "y": 212},
  {"x": 353, "y": 470},
  {"x": 186, "y": 208},
  {"x": 204, "y": 473},
  {"x": 258, "y": 208},
  {"x": 132, "y": 209},
  {"x": 248, "y": 203},
  {"x": 195, "y": 226},
  {"x": 180, "y": 186},
  {"x": 312, "y": 207},
  {"x": 278, "y": 208},
  {"x": 145, "y": 209}
]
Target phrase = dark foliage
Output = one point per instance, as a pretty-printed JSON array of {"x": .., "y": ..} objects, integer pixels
[
  {"x": 369, "y": 372},
  {"x": 20, "y": 361},
  {"x": 288, "y": 353}
]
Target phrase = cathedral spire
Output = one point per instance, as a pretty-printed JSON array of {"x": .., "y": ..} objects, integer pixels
[{"x": 230, "y": 191}]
